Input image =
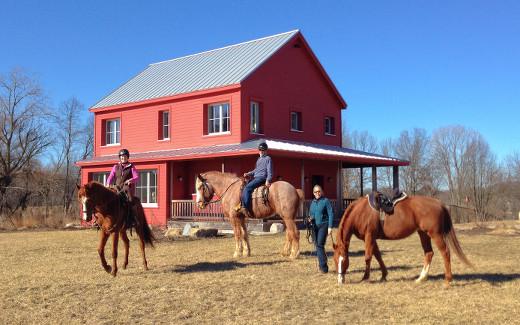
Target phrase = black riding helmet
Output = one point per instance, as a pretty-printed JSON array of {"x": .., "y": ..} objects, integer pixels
[
  {"x": 124, "y": 152},
  {"x": 262, "y": 146}
]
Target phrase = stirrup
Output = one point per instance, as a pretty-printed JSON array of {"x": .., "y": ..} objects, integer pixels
[{"x": 238, "y": 207}]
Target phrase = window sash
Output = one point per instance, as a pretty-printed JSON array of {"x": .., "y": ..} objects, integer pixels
[
  {"x": 218, "y": 118},
  {"x": 296, "y": 121},
  {"x": 146, "y": 188},
  {"x": 112, "y": 131},
  {"x": 329, "y": 125},
  {"x": 166, "y": 125},
  {"x": 255, "y": 117},
  {"x": 100, "y": 177}
]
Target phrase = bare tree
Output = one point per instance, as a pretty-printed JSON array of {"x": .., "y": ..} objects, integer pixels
[
  {"x": 385, "y": 174},
  {"x": 362, "y": 141},
  {"x": 413, "y": 146},
  {"x": 23, "y": 134}
]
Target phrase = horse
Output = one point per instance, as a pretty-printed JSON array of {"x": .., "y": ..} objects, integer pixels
[
  {"x": 110, "y": 214},
  {"x": 283, "y": 199},
  {"x": 426, "y": 215}
]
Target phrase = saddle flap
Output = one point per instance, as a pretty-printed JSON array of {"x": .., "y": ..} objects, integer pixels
[{"x": 380, "y": 202}]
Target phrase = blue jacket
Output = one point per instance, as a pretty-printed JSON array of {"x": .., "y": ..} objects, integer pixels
[
  {"x": 263, "y": 168},
  {"x": 321, "y": 211}
]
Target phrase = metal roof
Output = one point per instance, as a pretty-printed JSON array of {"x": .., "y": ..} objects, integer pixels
[
  {"x": 276, "y": 147},
  {"x": 216, "y": 68}
]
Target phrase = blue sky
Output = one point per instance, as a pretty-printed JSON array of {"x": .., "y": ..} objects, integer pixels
[{"x": 398, "y": 64}]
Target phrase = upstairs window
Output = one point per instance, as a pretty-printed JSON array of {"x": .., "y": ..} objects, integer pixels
[
  {"x": 255, "y": 126},
  {"x": 112, "y": 132},
  {"x": 329, "y": 126},
  {"x": 146, "y": 188},
  {"x": 164, "y": 125},
  {"x": 296, "y": 121},
  {"x": 218, "y": 118}
]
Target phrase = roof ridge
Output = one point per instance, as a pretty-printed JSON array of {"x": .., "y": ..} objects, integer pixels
[{"x": 225, "y": 47}]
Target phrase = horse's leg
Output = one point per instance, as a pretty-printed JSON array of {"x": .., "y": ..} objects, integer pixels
[
  {"x": 126, "y": 242},
  {"x": 245, "y": 236},
  {"x": 115, "y": 242},
  {"x": 287, "y": 245},
  {"x": 377, "y": 254},
  {"x": 103, "y": 237},
  {"x": 237, "y": 232},
  {"x": 443, "y": 248},
  {"x": 294, "y": 238},
  {"x": 426, "y": 243},
  {"x": 369, "y": 249}
]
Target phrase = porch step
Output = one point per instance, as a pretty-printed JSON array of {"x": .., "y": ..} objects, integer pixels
[{"x": 257, "y": 226}]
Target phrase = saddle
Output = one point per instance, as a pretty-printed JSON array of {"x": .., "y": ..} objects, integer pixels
[
  {"x": 382, "y": 203},
  {"x": 263, "y": 192}
]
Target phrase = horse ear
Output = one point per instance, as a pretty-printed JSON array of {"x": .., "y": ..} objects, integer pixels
[{"x": 200, "y": 177}]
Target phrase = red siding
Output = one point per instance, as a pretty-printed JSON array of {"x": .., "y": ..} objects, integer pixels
[{"x": 290, "y": 80}]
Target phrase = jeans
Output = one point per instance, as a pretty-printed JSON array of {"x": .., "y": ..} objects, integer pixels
[
  {"x": 248, "y": 190},
  {"x": 320, "y": 237}
]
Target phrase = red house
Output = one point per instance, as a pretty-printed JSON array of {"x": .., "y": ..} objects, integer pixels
[{"x": 209, "y": 111}]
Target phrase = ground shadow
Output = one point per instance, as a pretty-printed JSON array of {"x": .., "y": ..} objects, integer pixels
[
  {"x": 491, "y": 278},
  {"x": 216, "y": 266},
  {"x": 357, "y": 253}
]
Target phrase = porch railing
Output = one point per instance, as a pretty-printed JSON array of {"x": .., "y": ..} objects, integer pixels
[{"x": 188, "y": 210}]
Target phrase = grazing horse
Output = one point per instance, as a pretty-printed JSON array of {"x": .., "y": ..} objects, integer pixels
[
  {"x": 110, "y": 216},
  {"x": 426, "y": 215},
  {"x": 283, "y": 200}
]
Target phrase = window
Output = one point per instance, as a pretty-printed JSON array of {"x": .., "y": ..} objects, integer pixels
[
  {"x": 100, "y": 177},
  {"x": 296, "y": 121},
  {"x": 329, "y": 125},
  {"x": 146, "y": 188},
  {"x": 164, "y": 125},
  {"x": 255, "y": 126},
  {"x": 113, "y": 131},
  {"x": 218, "y": 118}
]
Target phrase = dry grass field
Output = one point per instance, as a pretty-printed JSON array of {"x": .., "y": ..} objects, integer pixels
[{"x": 55, "y": 277}]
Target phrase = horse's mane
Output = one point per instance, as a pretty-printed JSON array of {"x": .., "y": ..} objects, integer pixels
[
  {"x": 342, "y": 227},
  {"x": 214, "y": 172},
  {"x": 100, "y": 187}
]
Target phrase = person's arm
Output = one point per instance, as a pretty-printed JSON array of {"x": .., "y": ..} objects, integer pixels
[
  {"x": 269, "y": 171},
  {"x": 135, "y": 176},
  {"x": 330, "y": 214},
  {"x": 111, "y": 176}
]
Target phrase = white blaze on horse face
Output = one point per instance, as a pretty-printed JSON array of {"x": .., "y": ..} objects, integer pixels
[
  {"x": 84, "y": 203},
  {"x": 198, "y": 199}
]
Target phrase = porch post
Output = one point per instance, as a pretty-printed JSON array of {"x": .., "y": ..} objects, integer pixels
[
  {"x": 361, "y": 181},
  {"x": 374, "y": 178},
  {"x": 339, "y": 184},
  {"x": 395, "y": 177},
  {"x": 302, "y": 177}
]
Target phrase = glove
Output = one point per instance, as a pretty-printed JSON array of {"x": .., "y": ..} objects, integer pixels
[{"x": 329, "y": 231}]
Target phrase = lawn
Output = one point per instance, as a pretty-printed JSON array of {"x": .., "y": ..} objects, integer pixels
[{"x": 55, "y": 277}]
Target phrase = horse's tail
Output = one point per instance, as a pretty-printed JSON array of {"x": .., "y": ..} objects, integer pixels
[
  {"x": 450, "y": 237},
  {"x": 144, "y": 228}
]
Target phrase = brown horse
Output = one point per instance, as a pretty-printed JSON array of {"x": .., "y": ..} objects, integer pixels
[
  {"x": 110, "y": 214},
  {"x": 428, "y": 216},
  {"x": 283, "y": 200}
]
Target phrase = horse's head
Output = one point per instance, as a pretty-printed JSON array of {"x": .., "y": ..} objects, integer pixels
[
  {"x": 204, "y": 191},
  {"x": 85, "y": 197},
  {"x": 341, "y": 262}
]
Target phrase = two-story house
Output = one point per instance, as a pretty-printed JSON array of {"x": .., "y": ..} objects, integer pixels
[{"x": 210, "y": 110}]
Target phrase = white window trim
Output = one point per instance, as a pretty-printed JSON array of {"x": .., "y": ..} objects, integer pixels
[
  {"x": 221, "y": 118},
  {"x": 257, "y": 117},
  {"x": 299, "y": 122},
  {"x": 168, "y": 125},
  {"x": 150, "y": 204},
  {"x": 106, "y": 132}
]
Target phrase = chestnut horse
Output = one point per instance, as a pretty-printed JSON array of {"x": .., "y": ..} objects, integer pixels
[
  {"x": 426, "y": 215},
  {"x": 110, "y": 216},
  {"x": 283, "y": 200}
]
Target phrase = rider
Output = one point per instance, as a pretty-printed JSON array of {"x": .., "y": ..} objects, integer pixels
[
  {"x": 125, "y": 174},
  {"x": 321, "y": 215},
  {"x": 262, "y": 174}
]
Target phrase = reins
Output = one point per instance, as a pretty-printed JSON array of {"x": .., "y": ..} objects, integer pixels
[{"x": 221, "y": 195}]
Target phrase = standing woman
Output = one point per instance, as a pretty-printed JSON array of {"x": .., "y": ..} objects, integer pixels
[{"x": 321, "y": 215}]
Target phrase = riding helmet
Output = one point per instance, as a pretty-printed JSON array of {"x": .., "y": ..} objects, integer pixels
[
  {"x": 262, "y": 146},
  {"x": 124, "y": 152}
]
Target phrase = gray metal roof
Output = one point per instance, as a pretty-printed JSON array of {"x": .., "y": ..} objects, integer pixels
[{"x": 216, "y": 68}]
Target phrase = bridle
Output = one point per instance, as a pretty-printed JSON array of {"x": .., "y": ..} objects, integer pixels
[{"x": 206, "y": 189}]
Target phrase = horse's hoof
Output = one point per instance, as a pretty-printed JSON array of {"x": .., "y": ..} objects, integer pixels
[
  {"x": 114, "y": 273},
  {"x": 108, "y": 269},
  {"x": 421, "y": 279},
  {"x": 124, "y": 267},
  {"x": 383, "y": 280}
]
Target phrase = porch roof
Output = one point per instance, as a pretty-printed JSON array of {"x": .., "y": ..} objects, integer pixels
[{"x": 348, "y": 157}]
